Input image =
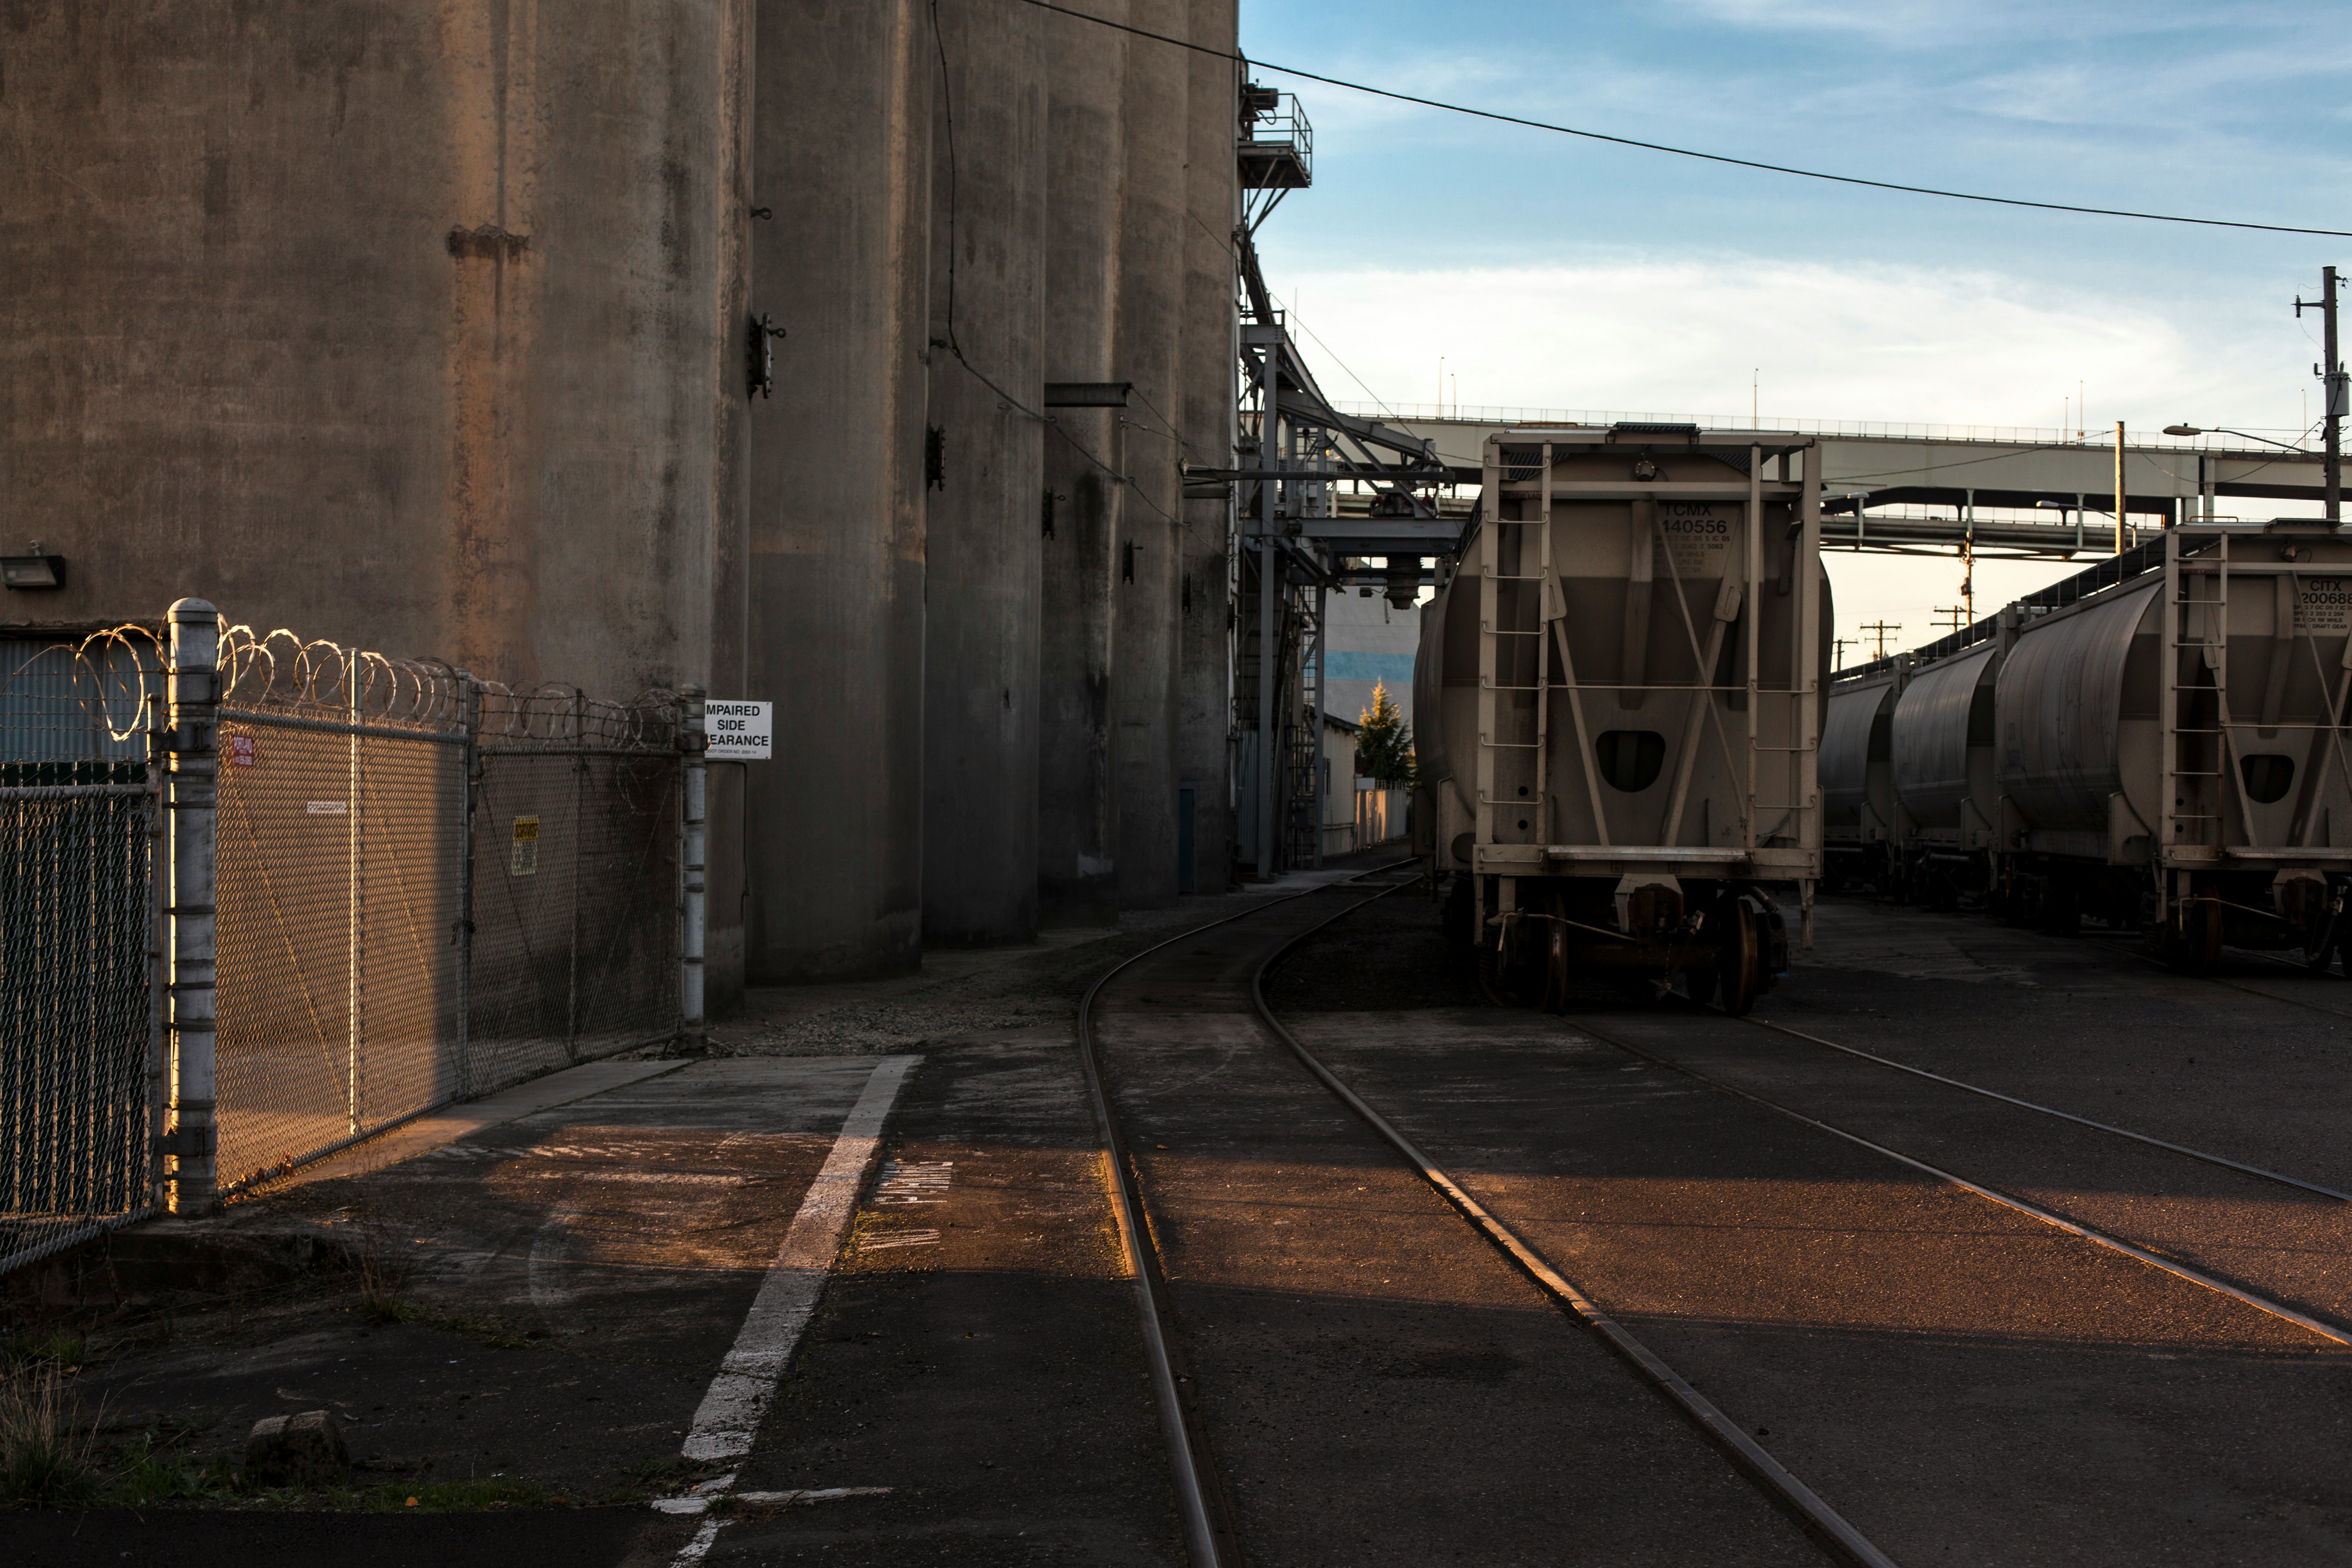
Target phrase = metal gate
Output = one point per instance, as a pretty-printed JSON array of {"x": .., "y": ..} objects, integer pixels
[
  {"x": 78, "y": 1018},
  {"x": 340, "y": 836},
  {"x": 574, "y": 862}
]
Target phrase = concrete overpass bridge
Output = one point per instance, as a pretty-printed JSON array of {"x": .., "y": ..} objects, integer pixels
[{"x": 1928, "y": 488}]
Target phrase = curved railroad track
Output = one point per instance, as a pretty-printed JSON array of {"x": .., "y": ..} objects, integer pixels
[{"x": 1210, "y": 1534}]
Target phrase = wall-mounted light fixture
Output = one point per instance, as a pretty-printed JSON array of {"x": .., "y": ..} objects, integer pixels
[{"x": 33, "y": 571}]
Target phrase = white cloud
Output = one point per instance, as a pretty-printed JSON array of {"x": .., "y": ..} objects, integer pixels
[
  {"x": 2185, "y": 95},
  {"x": 1828, "y": 343},
  {"x": 1920, "y": 24}
]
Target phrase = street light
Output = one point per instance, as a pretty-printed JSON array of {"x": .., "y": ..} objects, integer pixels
[
  {"x": 2248, "y": 435},
  {"x": 2217, "y": 430}
]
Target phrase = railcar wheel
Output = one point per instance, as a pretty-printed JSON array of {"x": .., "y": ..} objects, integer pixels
[
  {"x": 1740, "y": 972},
  {"x": 1460, "y": 920},
  {"x": 1555, "y": 976},
  {"x": 1490, "y": 973},
  {"x": 2326, "y": 941},
  {"x": 2194, "y": 946}
]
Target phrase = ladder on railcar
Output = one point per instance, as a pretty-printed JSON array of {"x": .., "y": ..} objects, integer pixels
[
  {"x": 2198, "y": 622},
  {"x": 1491, "y": 633}
]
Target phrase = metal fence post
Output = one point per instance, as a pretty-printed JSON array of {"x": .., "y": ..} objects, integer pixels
[
  {"x": 693, "y": 741},
  {"x": 579, "y": 868},
  {"x": 469, "y": 714},
  {"x": 194, "y": 693},
  {"x": 354, "y": 910},
  {"x": 159, "y": 934}
]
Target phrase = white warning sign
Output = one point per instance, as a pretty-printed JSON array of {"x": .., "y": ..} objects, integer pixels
[
  {"x": 740, "y": 732},
  {"x": 1695, "y": 537},
  {"x": 2322, "y": 606}
]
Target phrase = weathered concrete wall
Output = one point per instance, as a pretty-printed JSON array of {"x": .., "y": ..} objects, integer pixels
[
  {"x": 1077, "y": 827},
  {"x": 982, "y": 613},
  {"x": 842, "y": 152},
  {"x": 1205, "y": 720},
  {"x": 730, "y": 493},
  {"x": 403, "y": 325},
  {"x": 1149, "y": 327}
]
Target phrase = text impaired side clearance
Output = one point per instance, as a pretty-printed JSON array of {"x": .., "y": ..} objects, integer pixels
[{"x": 740, "y": 732}]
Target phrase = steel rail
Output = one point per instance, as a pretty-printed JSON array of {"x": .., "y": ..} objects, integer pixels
[
  {"x": 2131, "y": 947},
  {"x": 2342, "y": 1336},
  {"x": 1188, "y": 1456},
  {"x": 2267, "y": 1175},
  {"x": 1822, "y": 1522}
]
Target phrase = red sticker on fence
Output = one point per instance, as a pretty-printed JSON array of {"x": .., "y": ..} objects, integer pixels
[{"x": 240, "y": 751}]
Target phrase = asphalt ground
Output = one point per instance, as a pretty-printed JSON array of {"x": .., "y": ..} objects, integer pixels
[
  {"x": 562, "y": 1289},
  {"x": 977, "y": 1350},
  {"x": 1963, "y": 1383},
  {"x": 568, "y": 1279},
  {"x": 1378, "y": 1384}
]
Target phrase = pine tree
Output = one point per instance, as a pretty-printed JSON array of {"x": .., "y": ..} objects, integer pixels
[{"x": 1384, "y": 750}]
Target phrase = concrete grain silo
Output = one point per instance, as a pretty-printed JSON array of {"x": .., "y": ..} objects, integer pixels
[
  {"x": 841, "y": 153},
  {"x": 1148, "y": 353},
  {"x": 981, "y": 603},
  {"x": 413, "y": 328},
  {"x": 1086, "y": 179},
  {"x": 1205, "y": 719}
]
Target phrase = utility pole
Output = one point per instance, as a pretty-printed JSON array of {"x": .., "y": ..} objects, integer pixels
[
  {"x": 1951, "y": 618},
  {"x": 1968, "y": 560},
  {"x": 1879, "y": 629},
  {"x": 2120, "y": 486},
  {"x": 2331, "y": 375},
  {"x": 1840, "y": 644}
]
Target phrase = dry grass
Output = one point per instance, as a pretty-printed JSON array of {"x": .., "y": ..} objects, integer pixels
[
  {"x": 384, "y": 1266},
  {"x": 48, "y": 1453}
]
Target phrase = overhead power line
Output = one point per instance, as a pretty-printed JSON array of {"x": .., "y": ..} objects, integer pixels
[{"x": 1687, "y": 151}]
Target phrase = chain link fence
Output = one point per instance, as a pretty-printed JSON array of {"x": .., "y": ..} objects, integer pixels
[
  {"x": 422, "y": 888},
  {"x": 79, "y": 1024},
  {"x": 340, "y": 835},
  {"x": 575, "y": 938}
]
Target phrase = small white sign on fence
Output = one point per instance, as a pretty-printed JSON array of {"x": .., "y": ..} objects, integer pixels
[{"x": 740, "y": 731}]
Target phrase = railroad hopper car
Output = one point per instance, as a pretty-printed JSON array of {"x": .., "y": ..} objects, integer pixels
[
  {"x": 1620, "y": 687},
  {"x": 1861, "y": 823},
  {"x": 2171, "y": 751},
  {"x": 1941, "y": 764}
]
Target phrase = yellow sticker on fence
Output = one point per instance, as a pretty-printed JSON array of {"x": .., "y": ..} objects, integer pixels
[{"x": 526, "y": 847}]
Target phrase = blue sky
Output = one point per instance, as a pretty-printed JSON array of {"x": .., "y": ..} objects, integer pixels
[{"x": 1552, "y": 272}]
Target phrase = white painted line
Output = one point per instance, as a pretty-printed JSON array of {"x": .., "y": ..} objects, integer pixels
[
  {"x": 739, "y": 1396},
  {"x": 661, "y": 1178},
  {"x": 699, "y": 1502},
  {"x": 888, "y": 1239},
  {"x": 693, "y": 1551},
  {"x": 907, "y": 1181}
]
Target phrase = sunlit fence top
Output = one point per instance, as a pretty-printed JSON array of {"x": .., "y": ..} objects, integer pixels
[
  {"x": 76, "y": 701},
  {"x": 292, "y": 677}
]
